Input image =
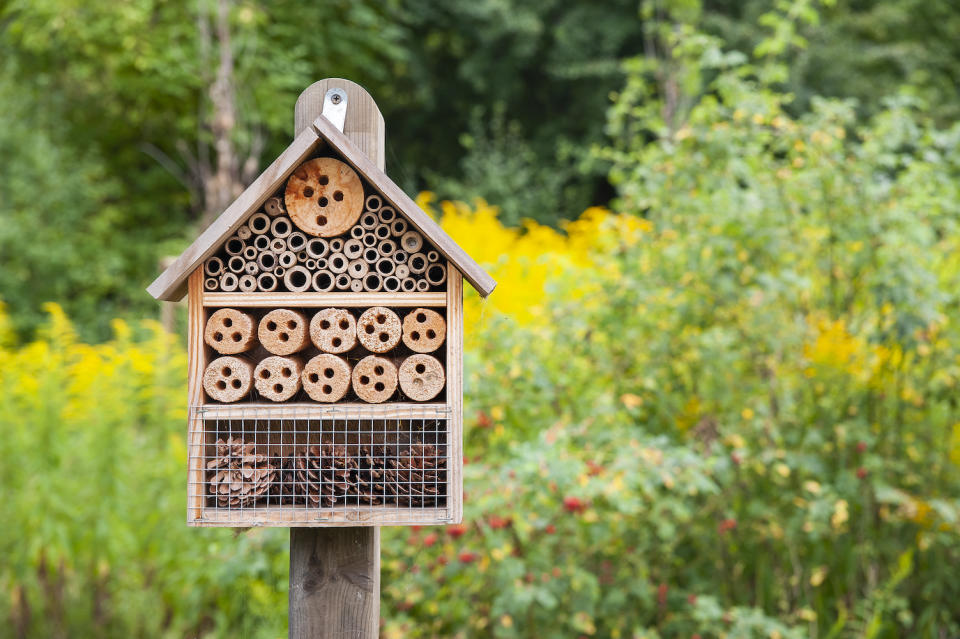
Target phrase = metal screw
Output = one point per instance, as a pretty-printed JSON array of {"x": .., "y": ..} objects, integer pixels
[{"x": 335, "y": 98}]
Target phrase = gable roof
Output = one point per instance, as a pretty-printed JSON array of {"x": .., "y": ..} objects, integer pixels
[{"x": 171, "y": 284}]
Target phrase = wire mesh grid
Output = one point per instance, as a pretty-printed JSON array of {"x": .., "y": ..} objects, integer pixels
[{"x": 309, "y": 465}]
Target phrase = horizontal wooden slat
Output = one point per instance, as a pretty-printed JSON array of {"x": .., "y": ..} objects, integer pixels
[
  {"x": 312, "y": 300},
  {"x": 286, "y": 516},
  {"x": 304, "y": 410}
]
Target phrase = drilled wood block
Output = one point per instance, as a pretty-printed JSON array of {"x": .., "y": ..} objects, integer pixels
[
  {"x": 379, "y": 329},
  {"x": 333, "y": 330},
  {"x": 324, "y": 197},
  {"x": 278, "y": 378},
  {"x": 424, "y": 330},
  {"x": 421, "y": 377},
  {"x": 283, "y": 332},
  {"x": 228, "y": 379},
  {"x": 326, "y": 378},
  {"x": 374, "y": 379}
]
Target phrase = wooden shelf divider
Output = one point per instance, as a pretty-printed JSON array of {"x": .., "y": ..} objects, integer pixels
[
  {"x": 315, "y": 300},
  {"x": 305, "y": 410}
]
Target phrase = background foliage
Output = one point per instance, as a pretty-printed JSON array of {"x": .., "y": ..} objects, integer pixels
[{"x": 727, "y": 409}]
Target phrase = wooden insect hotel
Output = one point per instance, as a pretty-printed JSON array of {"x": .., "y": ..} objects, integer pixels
[{"x": 325, "y": 343}]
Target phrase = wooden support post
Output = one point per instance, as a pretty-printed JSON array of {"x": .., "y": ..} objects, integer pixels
[{"x": 335, "y": 572}]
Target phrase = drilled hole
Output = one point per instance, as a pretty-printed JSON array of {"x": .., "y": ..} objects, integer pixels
[
  {"x": 344, "y": 324},
  {"x": 378, "y": 370},
  {"x": 421, "y": 317},
  {"x": 328, "y": 373},
  {"x": 381, "y": 318},
  {"x": 323, "y": 201},
  {"x": 314, "y": 378},
  {"x": 284, "y": 337},
  {"x": 369, "y": 329},
  {"x": 420, "y": 368},
  {"x": 431, "y": 333},
  {"x": 308, "y": 192},
  {"x": 415, "y": 335},
  {"x": 327, "y": 389},
  {"x": 384, "y": 337},
  {"x": 286, "y": 372},
  {"x": 218, "y": 337},
  {"x": 278, "y": 388},
  {"x": 264, "y": 374},
  {"x": 323, "y": 179},
  {"x": 338, "y": 196},
  {"x": 292, "y": 324},
  {"x": 271, "y": 326},
  {"x": 364, "y": 380},
  {"x": 236, "y": 337},
  {"x": 324, "y": 324},
  {"x": 222, "y": 385},
  {"x": 227, "y": 322},
  {"x": 336, "y": 342},
  {"x": 226, "y": 371},
  {"x": 236, "y": 383},
  {"x": 379, "y": 387}
]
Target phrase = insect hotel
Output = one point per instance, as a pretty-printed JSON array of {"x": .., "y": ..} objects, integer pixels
[{"x": 325, "y": 325}]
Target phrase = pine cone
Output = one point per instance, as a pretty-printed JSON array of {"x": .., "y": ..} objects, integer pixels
[
  {"x": 416, "y": 475},
  {"x": 324, "y": 475},
  {"x": 238, "y": 474}
]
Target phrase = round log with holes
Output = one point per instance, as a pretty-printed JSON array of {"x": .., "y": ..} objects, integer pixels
[
  {"x": 374, "y": 379},
  {"x": 278, "y": 378},
  {"x": 424, "y": 330},
  {"x": 229, "y": 331},
  {"x": 379, "y": 329},
  {"x": 333, "y": 330},
  {"x": 326, "y": 378},
  {"x": 283, "y": 331},
  {"x": 228, "y": 379},
  {"x": 324, "y": 197},
  {"x": 421, "y": 377}
]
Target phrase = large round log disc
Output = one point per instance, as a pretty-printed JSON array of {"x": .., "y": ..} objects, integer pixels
[{"x": 324, "y": 197}]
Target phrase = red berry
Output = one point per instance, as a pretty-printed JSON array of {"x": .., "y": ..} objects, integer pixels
[
  {"x": 692, "y": 600},
  {"x": 498, "y": 522},
  {"x": 861, "y": 473},
  {"x": 574, "y": 504},
  {"x": 550, "y": 529},
  {"x": 430, "y": 540},
  {"x": 727, "y": 525},
  {"x": 468, "y": 557},
  {"x": 442, "y": 560},
  {"x": 483, "y": 420},
  {"x": 861, "y": 447},
  {"x": 662, "y": 595},
  {"x": 735, "y": 458},
  {"x": 456, "y": 530}
]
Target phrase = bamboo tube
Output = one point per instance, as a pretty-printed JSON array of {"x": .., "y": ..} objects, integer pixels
[
  {"x": 274, "y": 207},
  {"x": 287, "y": 259},
  {"x": 267, "y": 261},
  {"x": 244, "y": 233},
  {"x": 433, "y": 256},
  {"x": 373, "y": 203},
  {"x": 356, "y": 232},
  {"x": 213, "y": 266},
  {"x": 342, "y": 282},
  {"x": 371, "y": 255},
  {"x": 423, "y": 286},
  {"x": 337, "y": 263},
  {"x": 379, "y": 329},
  {"x": 281, "y": 227},
  {"x": 402, "y": 271},
  {"x": 391, "y": 283},
  {"x": 369, "y": 221},
  {"x": 279, "y": 271},
  {"x": 267, "y": 282},
  {"x": 417, "y": 263},
  {"x": 278, "y": 245},
  {"x": 283, "y": 331},
  {"x": 324, "y": 197},
  {"x": 387, "y": 215},
  {"x": 251, "y": 268},
  {"x": 296, "y": 279},
  {"x": 210, "y": 284},
  {"x": 336, "y": 245},
  {"x": 357, "y": 269},
  {"x": 356, "y": 285},
  {"x": 259, "y": 223},
  {"x": 321, "y": 262},
  {"x": 372, "y": 282},
  {"x": 326, "y": 378},
  {"x": 311, "y": 265},
  {"x": 421, "y": 377},
  {"x": 424, "y": 330},
  {"x": 382, "y": 232},
  {"x": 369, "y": 239},
  {"x": 302, "y": 257},
  {"x": 374, "y": 379},
  {"x": 333, "y": 330},
  {"x": 411, "y": 242},
  {"x": 400, "y": 256},
  {"x": 352, "y": 249},
  {"x": 387, "y": 248},
  {"x": 236, "y": 264},
  {"x": 323, "y": 281},
  {"x": 398, "y": 227},
  {"x": 278, "y": 378},
  {"x": 262, "y": 242},
  {"x": 228, "y": 282},
  {"x": 408, "y": 284},
  {"x": 385, "y": 266},
  {"x": 247, "y": 283},
  {"x": 229, "y": 331},
  {"x": 317, "y": 247},
  {"x": 436, "y": 274},
  {"x": 250, "y": 253},
  {"x": 297, "y": 242},
  {"x": 227, "y": 379},
  {"x": 234, "y": 246}
]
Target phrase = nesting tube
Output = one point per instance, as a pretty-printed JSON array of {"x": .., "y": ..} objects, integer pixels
[
  {"x": 287, "y": 259},
  {"x": 402, "y": 271},
  {"x": 391, "y": 283},
  {"x": 336, "y": 245},
  {"x": 267, "y": 261},
  {"x": 372, "y": 282},
  {"x": 321, "y": 262},
  {"x": 356, "y": 232},
  {"x": 259, "y": 223},
  {"x": 236, "y": 264},
  {"x": 374, "y": 379},
  {"x": 352, "y": 249},
  {"x": 379, "y": 329},
  {"x": 342, "y": 282},
  {"x": 357, "y": 269},
  {"x": 278, "y": 378},
  {"x": 326, "y": 378},
  {"x": 244, "y": 233},
  {"x": 251, "y": 268},
  {"x": 373, "y": 203},
  {"x": 387, "y": 248},
  {"x": 369, "y": 239},
  {"x": 278, "y": 245},
  {"x": 371, "y": 255},
  {"x": 317, "y": 247},
  {"x": 421, "y": 377},
  {"x": 228, "y": 379},
  {"x": 210, "y": 284},
  {"x": 297, "y": 241},
  {"x": 417, "y": 263},
  {"x": 369, "y": 221},
  {"x": 247, "y": 283},
  {"x": 433, "y": 256},
  {"x": 213, "y": 266},
  {"x": 382, "y": 232},
  {"x": 234, "y": 246},
  {"x": 424, "y": 330},
  {"x": 398, "y": 227},
  {"x": 408, "y": 284},
  {"x": 411, "y": 242},
  {"x": 279, "y": 271},
  {"x": 385, "y": 266},
  {"x": 337, "y": 263},
  {"x": 262, "y": 242},
  {"x": 250, "y": 253},
  {"x": 267, "y": 282},
  {"x": 297, "y": 279},
  {"x": 283, "y": 331},
  {"x": 423, "y": 286},
  {"x": 436, "y": 273},
  {"x": 323, "y": 281},
  {"x": 281, "y": 227},
  {"x": 274, "y": 207},
  {"x": 228, "y": 282},
  {"x": 333, "y": 330},
  {"x": 400, "y": 256},
  {"x": 311, "y": 265},
  {"x": 387, "y": 215},
  {"x": 230, "y": 331},
  {"x": 356, "y": 285},
  {"x": 302, "y": 257}
]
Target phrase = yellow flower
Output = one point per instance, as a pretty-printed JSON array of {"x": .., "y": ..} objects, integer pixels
[{"x": 818, "y": 575}]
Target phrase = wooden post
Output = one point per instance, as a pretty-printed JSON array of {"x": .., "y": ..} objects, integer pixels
[{"x": 335, "y": 572}]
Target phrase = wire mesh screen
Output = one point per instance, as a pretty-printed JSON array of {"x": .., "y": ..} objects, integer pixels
[{"x": 292, "y": 465}]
